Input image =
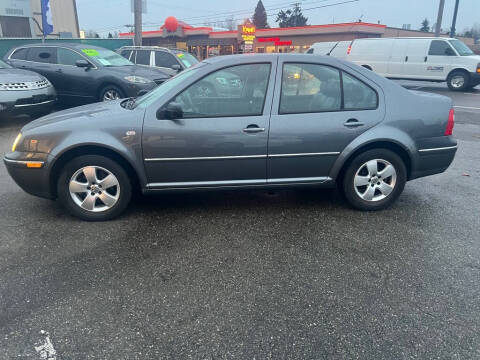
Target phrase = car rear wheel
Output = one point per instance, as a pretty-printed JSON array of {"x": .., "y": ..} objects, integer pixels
[
  {"x": 458, "y": 80},
  {"x": 111, "y": 92},
  {"x": 94, "y": 188},
  {"x": 374, "y": 179}
]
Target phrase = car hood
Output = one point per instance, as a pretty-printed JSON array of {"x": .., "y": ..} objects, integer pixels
[
  {"x": 18, "y": 75},
  {"x": 96, "y": 110},
  {"x": 146, "y": 72}
]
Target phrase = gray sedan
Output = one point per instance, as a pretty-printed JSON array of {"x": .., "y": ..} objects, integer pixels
[{"x": 280, "y": 120}]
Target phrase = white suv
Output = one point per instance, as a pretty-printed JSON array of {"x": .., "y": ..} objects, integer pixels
[{"x": 170, "y": 61}]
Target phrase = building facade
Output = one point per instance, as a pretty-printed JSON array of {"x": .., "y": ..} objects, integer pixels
[
  {"x": 205, "y": 42},
  {"x": 23, "y": 19}
]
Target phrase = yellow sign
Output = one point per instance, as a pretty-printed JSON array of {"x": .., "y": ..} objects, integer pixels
[{"x": 248, "y": 32}]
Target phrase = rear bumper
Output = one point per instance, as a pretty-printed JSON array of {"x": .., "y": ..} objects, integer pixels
[
  {"x": 35, "y": 181},
  {"x": 433, "y": 160}
]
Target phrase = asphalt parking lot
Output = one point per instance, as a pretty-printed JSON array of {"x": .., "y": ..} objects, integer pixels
[{"x": 291, "y": 274}]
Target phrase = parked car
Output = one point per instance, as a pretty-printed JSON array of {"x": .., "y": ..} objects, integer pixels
[
  {"x": 171, "y": 61},
  {"x": 84, "y": 73},
  {"x": 431, "y": 59},
  {"x": 24, "y": 92},
  {"x": 335, "y": 123}
]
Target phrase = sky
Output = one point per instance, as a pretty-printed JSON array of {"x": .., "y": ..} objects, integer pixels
[{"x": 104, "y": 16}]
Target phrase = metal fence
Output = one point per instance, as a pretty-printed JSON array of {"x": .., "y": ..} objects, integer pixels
[{"x": 112, "y": 44}]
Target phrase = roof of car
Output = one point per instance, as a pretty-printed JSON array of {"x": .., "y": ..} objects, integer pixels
[{"x": 62, "y": 44}]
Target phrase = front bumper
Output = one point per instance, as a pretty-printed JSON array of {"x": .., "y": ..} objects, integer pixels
[
  {"x": 33, "y": 180},
  {"x": 133, "y": 89},
  {"x": 27, "y": 101}
]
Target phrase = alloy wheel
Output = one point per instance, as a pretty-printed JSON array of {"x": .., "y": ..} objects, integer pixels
[
  {"x": 457, "y": 81},
  {"x": 94, "y": 188},
  {"x": 375, "y": 180},
  {"x": 111, "y": 95}
]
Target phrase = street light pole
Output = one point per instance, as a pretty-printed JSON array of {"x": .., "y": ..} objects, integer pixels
[
  {"x": 439, "y": 18},
  {"x": 454, "y": 21},
  {"x": 137, "y": 10}
]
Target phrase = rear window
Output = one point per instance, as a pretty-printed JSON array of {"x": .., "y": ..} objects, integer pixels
[
  {"x": 43, "y": 55},
  {"x": 19, "y": 54}
]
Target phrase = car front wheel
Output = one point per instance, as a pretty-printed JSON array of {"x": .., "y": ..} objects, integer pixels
[
  {"x": 374, "y": 179},
  {"x": 458, "y": 80},
  {"x": 94, "y": 188},
  {"x": 111, "y": 92}
]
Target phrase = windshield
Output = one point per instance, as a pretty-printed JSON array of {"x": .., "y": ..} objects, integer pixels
[
  {"x": 106, "y": 57},
  {"x": 461, "y": 48},
  {"x": 4, "y": 65},
  {"x": 187, "y": 59},
  {"x": 164, "y": 88}
]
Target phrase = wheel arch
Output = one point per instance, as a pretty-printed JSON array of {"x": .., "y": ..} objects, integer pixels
[
  {"x": 459, "y": 69},
  {"x": 380, "y": 144},
  {"x": 91, "y": 150}
]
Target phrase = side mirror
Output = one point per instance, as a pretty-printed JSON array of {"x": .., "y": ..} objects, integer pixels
[
  {"x": 177, "y": 67},
  {"x": 82, "y": 63},
  {"x": 172, "y": 111},
  {"x": 142, "y": 92}
]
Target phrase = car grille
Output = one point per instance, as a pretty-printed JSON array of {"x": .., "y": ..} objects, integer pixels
[{"x": 29, "y": 85}]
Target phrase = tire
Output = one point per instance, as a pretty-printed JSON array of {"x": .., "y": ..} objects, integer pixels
[
  {"x": 111, "y": 92},
  {"x": 108, "y": 202},
  {"x": 385, "y": 191},
  {"x": 458, "y": 80}
]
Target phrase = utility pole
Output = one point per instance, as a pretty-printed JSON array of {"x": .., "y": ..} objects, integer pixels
[
  {"x": 454, "y": 21},
  {"x": 439, "y": 18},
  {"x": 137, "y": 10}
]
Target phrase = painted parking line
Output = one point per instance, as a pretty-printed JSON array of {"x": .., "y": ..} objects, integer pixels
[{"x": 466, "y": 107}]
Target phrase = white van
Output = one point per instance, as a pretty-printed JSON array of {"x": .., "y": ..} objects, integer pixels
[{"x": 425, "y": 58}]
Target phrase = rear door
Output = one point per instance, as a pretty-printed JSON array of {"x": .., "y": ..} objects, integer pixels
[
  {"x": 440, "y": 56},
  {"x": 165, "y": 61},
  {"x": 42, "y": 60},
  {"x": 143, "y": 57},
  {"x": 415, "y": 66},
  {"x": 312, "y": 123},
  {"x": 221, "y": 138}
]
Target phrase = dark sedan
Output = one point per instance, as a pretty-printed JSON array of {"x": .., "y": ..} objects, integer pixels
[
  {"x": 84, "y": 73},
  {"x": 289, "y": 120}
]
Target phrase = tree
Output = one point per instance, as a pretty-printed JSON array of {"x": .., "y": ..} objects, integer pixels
[
  {"x": 260, "y": 16},
  {"x": 110, "y": 36},
  {"x": 291, "y": 17},
  {"x": 425, "y": 25},
  {"x": 473, "y": 32}
]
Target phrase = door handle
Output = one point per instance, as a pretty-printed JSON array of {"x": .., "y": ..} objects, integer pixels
[
  {"x": 406, "y": 58},
  {"x": 59, "y": 71},
  {"x": 425, "y": 60},
  {"x": 253, "y": 129},
  {"x": 353, "y": 123}
]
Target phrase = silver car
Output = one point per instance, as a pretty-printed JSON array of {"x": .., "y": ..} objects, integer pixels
[
  {"x": 24, "y": 92},
  {"x": 280, "y": 120}
]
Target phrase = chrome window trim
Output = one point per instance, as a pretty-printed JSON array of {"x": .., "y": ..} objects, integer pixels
[
  {"x": 438, "y": 149},
  {"x": 241, "y": 156},
  {"x": 41, "y": 103}
]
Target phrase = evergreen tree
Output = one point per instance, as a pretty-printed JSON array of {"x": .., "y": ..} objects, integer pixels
[
  {"x": 260, "y": 16},
  {"x": 291, "y": 17},
  {"x": 425, "y": 25}
]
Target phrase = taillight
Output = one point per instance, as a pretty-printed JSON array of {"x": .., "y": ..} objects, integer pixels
[
  {"x": 478, "y": 68},
  {"x": 450, "y": 123},
  {"x": 349, "y": 49}
]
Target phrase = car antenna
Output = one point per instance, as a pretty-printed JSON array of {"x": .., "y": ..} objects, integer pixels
[{"x": 334, "y": 46}]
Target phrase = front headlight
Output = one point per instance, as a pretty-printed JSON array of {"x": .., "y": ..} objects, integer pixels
[
  {"x": 137, "y": 79},
  {"x": 17, "y": 140}
]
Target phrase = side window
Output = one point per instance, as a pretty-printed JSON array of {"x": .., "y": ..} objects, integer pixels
[
  {"x": 164, "y": 59},
  {"x": 20, "y": 54},
  {"x": 67, "y": 57},
  {"x": 357, "y": 95},
  {"x": 234, "y": 91},
  {"x": 43, "y": 54},
  {"x": 310, "y": 88},
  {"x": 126, "y": 54},
  {"x": 440, "y": 47},
  {"x": 310, "y": 51},
  {"x": 143, "y": 57}
]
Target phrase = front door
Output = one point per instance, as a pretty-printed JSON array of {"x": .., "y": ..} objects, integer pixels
[
  {"x": 439, "y": 59},
  {"x": 312, "y": 122},
  {"x": 221, "y": 138}
]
